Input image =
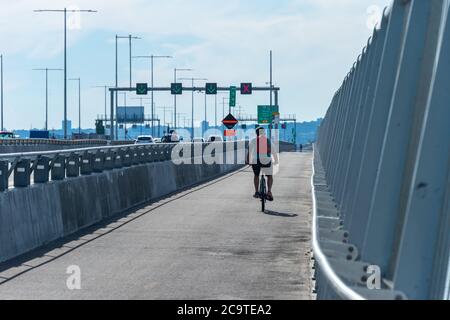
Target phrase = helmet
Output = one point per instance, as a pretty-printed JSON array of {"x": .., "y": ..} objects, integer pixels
[{"x": 258, "y": 130}]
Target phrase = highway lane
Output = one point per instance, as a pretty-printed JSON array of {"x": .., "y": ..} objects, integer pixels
[{"x": 209, "y": 242}]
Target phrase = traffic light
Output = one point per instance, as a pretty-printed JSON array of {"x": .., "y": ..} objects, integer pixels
[
  {"x": 246, "y": 88},
  {"x": 232, "y": 96},
  {"x": 141, "y": 89},
  {"x": 176, "y": 88},
  {"x": 211, "y": 88}
]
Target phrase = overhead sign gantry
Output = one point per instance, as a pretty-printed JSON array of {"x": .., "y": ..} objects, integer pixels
[{"x": 178, "y": 89}]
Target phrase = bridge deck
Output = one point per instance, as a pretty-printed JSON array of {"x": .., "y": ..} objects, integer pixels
[{"x": 209, "y": 242}]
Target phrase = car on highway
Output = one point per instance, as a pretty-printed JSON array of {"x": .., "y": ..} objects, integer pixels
[
  {"x": 215, "y": 139},
  {"x": 172, "y": 137},
  {"x": 198, "y": 140},
  {"x": 144, "y": 140},
  {"x": 6, "y": 135}
]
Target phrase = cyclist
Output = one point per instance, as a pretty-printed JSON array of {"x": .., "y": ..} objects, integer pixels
[{"x": 260, "y": 157}]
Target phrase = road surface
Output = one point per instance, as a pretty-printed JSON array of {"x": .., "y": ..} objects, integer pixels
[{"x": 208, "y": 242}]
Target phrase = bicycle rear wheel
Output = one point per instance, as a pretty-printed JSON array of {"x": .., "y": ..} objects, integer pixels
[{"x": 262, "y": 190}]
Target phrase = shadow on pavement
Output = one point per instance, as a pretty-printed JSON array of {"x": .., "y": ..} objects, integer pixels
[{"x": 280, "y": 214}]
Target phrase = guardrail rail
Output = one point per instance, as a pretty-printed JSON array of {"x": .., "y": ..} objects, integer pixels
[
  {"x": 381, "y": 184},
  {"x": 59, "y": 165}
]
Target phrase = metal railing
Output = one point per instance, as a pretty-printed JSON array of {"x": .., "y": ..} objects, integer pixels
[
  {"x": 45, "y": 166},
  {"x": 33, "y": 142},
  {"x": 381, "y": 183}
]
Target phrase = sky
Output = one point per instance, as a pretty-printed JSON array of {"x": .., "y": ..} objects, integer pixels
[{"x": 314, "y": 44}]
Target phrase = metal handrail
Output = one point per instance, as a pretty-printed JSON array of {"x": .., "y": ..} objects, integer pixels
[
  {"x": 33, "y": 141},
  {"x": 10, "y": 156},
  {"x": 343, "y": 290},
  {"x": 7, "y": 156}
]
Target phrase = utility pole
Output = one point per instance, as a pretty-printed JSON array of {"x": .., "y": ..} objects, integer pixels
[
  {"x": 65, "y": 57},
  {"x": 152, "y": 57},
  {"x": 46, "y": 92}
]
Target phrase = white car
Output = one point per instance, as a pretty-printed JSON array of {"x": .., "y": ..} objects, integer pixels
[
  {"x": 198, "y": 140},
  {"x": 215, "y": 139},
  {"x": 144, "y": 140},
  {"x": 157, "y": 140}
]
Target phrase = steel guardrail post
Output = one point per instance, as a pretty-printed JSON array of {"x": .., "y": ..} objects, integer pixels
[
  {"x": 42, "y": 170},
  {"x": 4, "y": 166}
]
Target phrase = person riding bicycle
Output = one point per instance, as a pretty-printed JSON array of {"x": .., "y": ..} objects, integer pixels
[{"x": 260, "y": 158}]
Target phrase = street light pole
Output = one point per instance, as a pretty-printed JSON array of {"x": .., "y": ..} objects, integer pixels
[
  {"x": 175, "y": 96},
  {"x": 65, "y": 73},
  {"x": 130, "y": 38},
  {"x": 116, "y": 94},
  {"x": 192, "y": 109},
  {"x": 106, "y": 99},
  {"x": 46, "y": 92},
  {"x": 152, "y": 57},
  {"x": 79, "y": 102},
  {"x": 65, "y": 58},
  {"x": 1, "y": 91},
  {"x": 271, "y": 84},
  {"x": 125, "y": 115},
  {"x": 164, "y": 110},
  {"x": 204, "y": 124},
  {"x": 215, "y": 111},
  {"x": 178, "y": 117},
  {"x": 192, "y": 112}
]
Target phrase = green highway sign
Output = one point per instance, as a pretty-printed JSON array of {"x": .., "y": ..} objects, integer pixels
[
  {"x": 266, "y": 113},
  {"x": 232, "y": 96},
  {"x": 141, "y": 88},
  {"x": 211, "y": 88},
  {"x": 176, "y": 88}
]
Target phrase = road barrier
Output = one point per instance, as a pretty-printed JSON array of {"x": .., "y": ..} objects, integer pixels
[
  {"x": 72, "y": 163},
  {"x": 57, "y": 193},
  {"x": 381, "y": 184}
]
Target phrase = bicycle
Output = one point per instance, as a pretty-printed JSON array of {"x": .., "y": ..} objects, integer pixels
[{"x": 262, "y": 192}]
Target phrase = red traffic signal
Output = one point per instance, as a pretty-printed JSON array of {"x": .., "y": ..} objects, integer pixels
[{"x": 246, "y": 88}]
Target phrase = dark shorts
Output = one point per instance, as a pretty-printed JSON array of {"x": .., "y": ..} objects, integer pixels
[{"x": 257, "y": 168}]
